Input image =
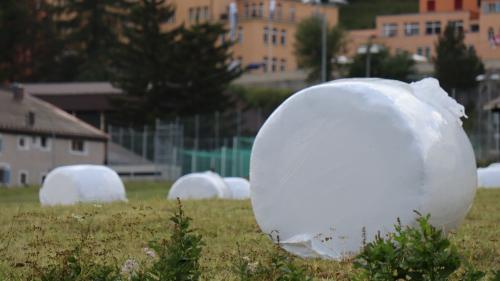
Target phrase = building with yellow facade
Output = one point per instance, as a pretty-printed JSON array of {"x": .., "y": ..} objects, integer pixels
[
  {"x": 418, "y": 33},
  {"x": 264, "y": 32}
]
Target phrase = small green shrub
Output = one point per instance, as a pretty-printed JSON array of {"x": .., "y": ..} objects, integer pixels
[
  {"x": 420, "y": 253},
  {"x": 178, "y": 258},
  {"x": 278, "y": 266},
  {"x": 70, "y": 268}
]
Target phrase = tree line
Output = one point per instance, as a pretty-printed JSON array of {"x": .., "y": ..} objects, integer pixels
[{"x": 166, "y": 70}]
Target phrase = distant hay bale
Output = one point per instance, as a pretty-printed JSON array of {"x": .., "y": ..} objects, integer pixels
[
  {"x": 205, "y": 185},
  {"x": 240, "y": 187},
  {"x": 70, "y": 185}
]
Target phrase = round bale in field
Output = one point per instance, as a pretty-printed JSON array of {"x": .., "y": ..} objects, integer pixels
[
  {"x": 349, "y": 157},
  {"x": 489, "y": 177},
  {"x": 69, "y": 185},
  {"x": 204, "y": 185},
  {"x": 240, "y": 187}
]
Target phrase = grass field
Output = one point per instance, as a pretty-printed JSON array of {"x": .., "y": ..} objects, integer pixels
[{"x": 117, "y": 232}]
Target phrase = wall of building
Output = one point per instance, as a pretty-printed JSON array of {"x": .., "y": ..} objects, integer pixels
[
  {"x": 37, "y": 161},
  {"x": 449, "y": 5},
  {"x": 253, "y": 19}
]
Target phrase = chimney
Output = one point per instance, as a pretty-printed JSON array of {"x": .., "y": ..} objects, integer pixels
[
  {"x": 30, "y": 119},
  {"x": 18, "y": 92}
]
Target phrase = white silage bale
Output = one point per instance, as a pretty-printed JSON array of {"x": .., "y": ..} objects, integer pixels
[
  {"x": 68, "y": 185},
  {"x": 204, "y": 185},
  {"x": 240, "y": 187},
  {"x": 356, "y": 154}
]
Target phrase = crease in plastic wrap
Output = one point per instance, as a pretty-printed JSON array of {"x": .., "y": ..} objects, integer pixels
[
  {"x": 353, "y": 155},
  {"x": 68, "y": 185},
  {"x": 198, "y": 186}
]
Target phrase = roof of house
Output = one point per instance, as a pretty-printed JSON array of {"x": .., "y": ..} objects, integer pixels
[
  {"x": 71, "y": 88},
  {"x": 48, "y": 119}
]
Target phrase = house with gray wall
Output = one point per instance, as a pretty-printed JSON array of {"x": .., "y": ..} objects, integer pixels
[{"x": 36, "y": 137}]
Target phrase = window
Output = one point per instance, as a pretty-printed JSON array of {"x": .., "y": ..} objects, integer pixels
[
  {"x": 171, "y": 18},
  {"x": 266, "y": 35},
  {"x": 458, "y": 25},
  {"x": 459, "y": 5},
  {"x": 428, "y": 52},
  {"x": 206, "y": 13},
  {"x": 492, "y": 8},
  {"x": 78, "y": 146},
  {"x": 44, "y": 143},
  {"x": 23, "y": 177},
  {"x": 274, "y": 37},
  {"x": 292, "y": 13},
  {"x": 274, "y": 65},
  {"x": 283, "y": 65},
  {"x": 198, "y": 14},
  {"x": 240, "y": 34},
  {"x": 390, "y": 29},
  {"x": 420, "y": 51},
  {"x": 192, "y": 15},
  {"x": 283, "y": 37},
  {"x": 246, "y": 10},
  {"x": 432, "y": 27},
  {"x": 474, "y": 27},
  {"x": 261, "y": 10},
  {"x": 411, "y": 29},
  {"x": 431, "y": 5},
  {"x": 254, "y": 10},
  {"x": 265, "y": 64},
  {"x": 22, "y": 143},
  {"x": 279, "y": 11},
  {"x": 4, "y": 174}
]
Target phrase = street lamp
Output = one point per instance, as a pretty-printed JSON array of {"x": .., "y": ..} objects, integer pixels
[
  {"x": 323, "y": 32},
  {"x": 369, "y": 49}
]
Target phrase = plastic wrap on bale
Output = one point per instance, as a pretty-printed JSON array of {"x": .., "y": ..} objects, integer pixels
[
  {"x": 240, "y": 187},
  {"x": 204, "y": 185},
  {"x": 70, "y": 185},
  {"x": 351, "y": 156}
]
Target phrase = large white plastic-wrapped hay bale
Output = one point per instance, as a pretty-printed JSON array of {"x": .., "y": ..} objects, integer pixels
[
  {"x": 240, "y": 187},
  {"x": 489, "y": 177},
  {"x": 69, "y": 185},
  {"x": 204, "y": 185},
  {"x": 354, "y": 155}
]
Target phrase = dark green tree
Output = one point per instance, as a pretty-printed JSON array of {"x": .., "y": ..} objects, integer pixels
[
  {"x": 29, "y": 42},
  {"x": 91, "y": 30},
  {"x": 180, "y": 71},
  {"x": 455, "y": 64},
  {"x": 203, "y": 69},
  {"x": 384, "y": 65},
  {"x": 308, "y": 40}
]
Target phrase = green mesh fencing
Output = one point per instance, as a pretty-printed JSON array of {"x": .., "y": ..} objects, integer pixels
[{"x": 233, "y": 161}]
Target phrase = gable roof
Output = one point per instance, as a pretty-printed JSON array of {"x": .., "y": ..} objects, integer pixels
[
  {"x": 71, "y": 88},
  {"x": 48, "y": 119}
]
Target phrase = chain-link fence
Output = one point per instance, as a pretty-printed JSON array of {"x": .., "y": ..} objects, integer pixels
[{"x": 217, "y": 142}]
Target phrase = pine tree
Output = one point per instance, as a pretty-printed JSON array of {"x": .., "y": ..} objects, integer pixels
[
  {"x": 91, "y": 29},
  {"x": 456, "y": 65},
  {"x": 203, "y": 68},
  {"x": 179, "y": 71},
  {"x": 144, "y": 61}
]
